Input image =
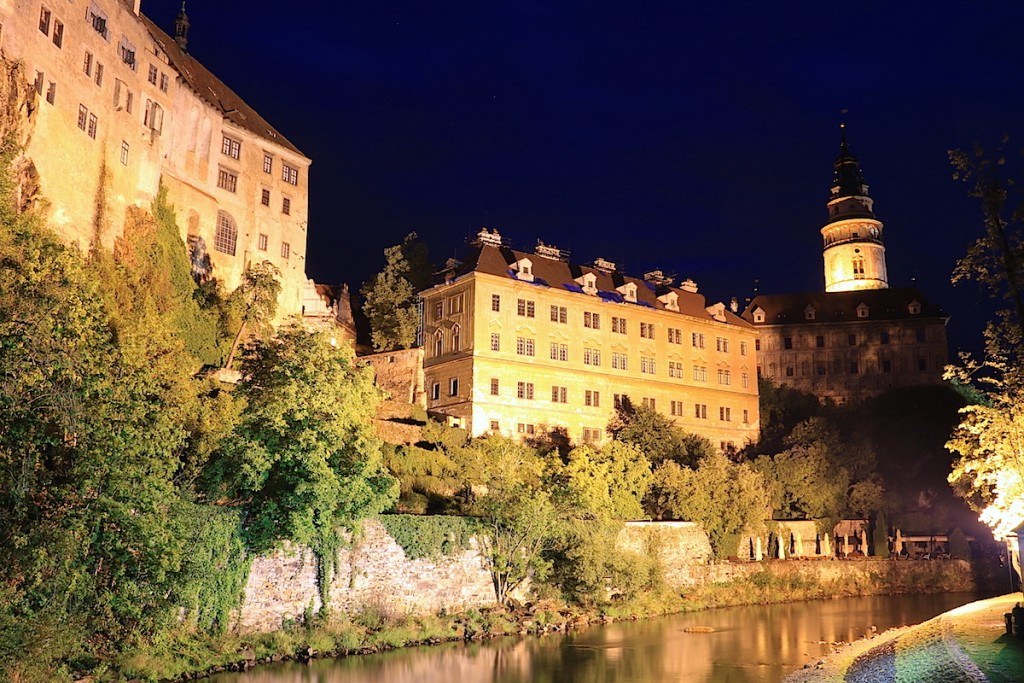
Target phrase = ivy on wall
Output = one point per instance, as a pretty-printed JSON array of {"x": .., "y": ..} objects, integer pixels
[{"x": 429, "y": 536}]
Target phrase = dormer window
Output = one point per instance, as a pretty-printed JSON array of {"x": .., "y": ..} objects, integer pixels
[
  {"x": 628, "y": 291},
  {"x": 914, "y": 307},
  {"x": 671, "y": 301},
  {"x": 758, "y": 315},
  {"x": 524, "y": 269},
  {"x": 862, "y": 311},
  {"x": 589, "y": 283},
  {"x": 809, "y": 313}
]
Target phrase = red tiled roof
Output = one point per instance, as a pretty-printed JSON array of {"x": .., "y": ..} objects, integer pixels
[{"x": 831, "y": 307}]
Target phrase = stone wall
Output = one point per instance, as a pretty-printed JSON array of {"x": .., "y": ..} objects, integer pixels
[
  {"x": 375, "y": 573},
  {"x": 400, "y": 373},
  {"x": 372, "y": 572}
]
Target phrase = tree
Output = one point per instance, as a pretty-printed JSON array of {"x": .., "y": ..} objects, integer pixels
[
  {"x": 990, "y": 438},
  {"x": 880, "y": 536},
  {"x": 304, "y": 460},
  {"x": 656, "y": 436},
  {"x": 389, "y": 300},
  {"x": 727, "y": 499},
  {"x": 256, "y": 299},
  {"x": 781, "y": 409},
  {"x": 605, "y": 484}
]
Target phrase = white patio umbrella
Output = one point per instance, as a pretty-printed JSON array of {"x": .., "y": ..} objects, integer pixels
[
  {"x": 897, "y": 546},
  {"x": 799, "y": 546},
  {"x": 826, "y": 547},
  {"x": 782, "y": 549},
  {"x": 846, "y": 544},
  {"x": 758, "y": 555},
  {"x": 864, "y": 542}
]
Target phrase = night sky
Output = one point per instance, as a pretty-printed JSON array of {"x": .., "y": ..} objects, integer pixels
[{"x": 698, "y": 138}]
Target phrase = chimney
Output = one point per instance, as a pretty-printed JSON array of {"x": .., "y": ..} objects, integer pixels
[
  {"x": 136, "y": 6},
  {"x": 181, "y": 26},
  {"x": 604, "y": 265},
  {"x": 491, "y": 237},
  {"x": 688, "y": 285},
  {"x": 551, "y": 252},
  {"x": 734, "y": 305},
  {"x": 658, "y": 277}
]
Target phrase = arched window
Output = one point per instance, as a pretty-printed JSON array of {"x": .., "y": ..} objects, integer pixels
[
  {"x": 456, "y": 338},
  {"x": 439, "y": 342},
  {"x": 225, "y": 239},
  {"x": 858, "y": 267}
]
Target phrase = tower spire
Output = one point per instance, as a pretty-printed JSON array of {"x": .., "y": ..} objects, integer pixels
[{"x": 181, "y": 26}]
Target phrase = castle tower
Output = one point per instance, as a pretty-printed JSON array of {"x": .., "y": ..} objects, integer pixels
[
  {"x": 181, "y": 26},
  {"x": 853, "y": 249}
]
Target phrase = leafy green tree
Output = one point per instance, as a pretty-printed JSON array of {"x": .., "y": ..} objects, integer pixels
[
  {"x": 304, "y": 460},
  {"x": 605, "y": 484},
  {"x": 256, "y": 301},
  {"x": 389, "y": 300},
  {"x": 781, "y": 409},
  {"x": 727, "y": 499},
  {"x": 656, "y": 436}
]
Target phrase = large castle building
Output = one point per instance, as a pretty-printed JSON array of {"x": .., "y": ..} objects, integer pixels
[
  {"x": 517, "y": 343},
  {"x": 120, "y": 107},
  {"x": 860, "y": 337}
]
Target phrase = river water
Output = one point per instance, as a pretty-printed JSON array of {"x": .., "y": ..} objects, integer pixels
[{"x": 755, "y": 643}]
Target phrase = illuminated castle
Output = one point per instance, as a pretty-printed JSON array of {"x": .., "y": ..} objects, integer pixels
[{"x": 859, "y": 337}]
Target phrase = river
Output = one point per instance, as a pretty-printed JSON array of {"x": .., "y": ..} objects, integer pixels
[{"x": 754, "y": 643}]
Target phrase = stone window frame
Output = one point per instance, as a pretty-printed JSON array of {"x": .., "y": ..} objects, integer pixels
[{"x": 225, "y": 236}]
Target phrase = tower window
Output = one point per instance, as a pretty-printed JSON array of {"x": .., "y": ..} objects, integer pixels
[
  {"x": 858, "y": 266},
  {"x": 225, "y": 237}
]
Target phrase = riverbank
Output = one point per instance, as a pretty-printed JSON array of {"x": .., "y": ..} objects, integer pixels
[
  {"x": 968, "y": 643},
  {"x": 380, "y": 626}
]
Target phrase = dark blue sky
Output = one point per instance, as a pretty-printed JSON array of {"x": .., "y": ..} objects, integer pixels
[{"x": 698, "y": 138}]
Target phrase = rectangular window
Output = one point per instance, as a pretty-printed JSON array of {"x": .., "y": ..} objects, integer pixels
[
  {"x": 724, "y": 377},
  {"x": 494, "y": 426},
  {"x": 821, "y": 368},
  {"x": 618, "y": 325},
  {"x": 745, "y": 380},
  {"x": 524, "y": 390},
  {"x": 526, "y": 308},
  {"x": 647, "y": 365},
  {"x": 650, "y": 403},
  {"x": 87, "y": 66},
  {"x": 455, "y": 304},
  {"x": 435, "y": 391},
  {"x": 559, "y": 352},
  {"x": 619, "y": 361},
  {"x": 676, "y": 408},
  {"x": 919, "y": 335},
  {"x": 757, "y": 344},
  {"x": 152, "y": 74},
  {"x": 700, "y": 373},
  {"x": 675, "y": 369},
  {"x": 592, "y": 320},
  {"x": 286, "y": 250},
  {"x": 92, "y": 126},
  {"x": 700, "y": 411},
  {"x": 819, "y": 341},
  {"x": 83, "y": 116},
  {"x": 592, "y": 398},
  {"x": 268, "y": 163},
  {"x": 887, "y": 366},
  {"x": 286, "y": 206},
  {"x": 438, "y": 310},
  {"x": 746, "y": 416},
  {"x": 790, "y": 371},
  {"x": 559, "y": 314},
  {"x": 127, "y": 52},
  {"x": 44, "y": 21},
  {"x": 526, "y": 429},
  {"x": 99, "y": 23},
  {"x": 164, "y": 82},
  {"x": 230, "y": 147},
  {"x": 124, "y": 152},
  {"x": 494, "y": 386},
  {"x": 289, "y": 174},
  {"x": 883, "y": 337},
  {"x": 697, "y": 338},
  {"x": 592, "y": 357},
  {"x": 263, "y": 242},
  {"x": 58, "y": 33},
  {"x": 725, "y": 414},
  {"x": 851, "y": 339},
  {"x": 496, "y": 302},
  {"x": 129, "y": 97},
  {"x": 226, "y": 180},
  {"x": 617, "y": 400},
  {"x": 265, "y": 197},
  {"x": 99, "y": 74},
  {"x": 722, "y": 344},
  {"x": 743, "y": 348},
  {"x": 646, "y": 331},
  {"x": 40, "y": 80},
  {"x": 559, "y": 395},
  {"x": 591, "y": 435},
  {"x": 495, "y": 341},
  {"x": 524, "y": 346},
  {"x": 51, "y": 92},
  {"x": 675, "y": 335},
  {"x": 787, "y": 342},
  {"x": 453, "y": 386}
]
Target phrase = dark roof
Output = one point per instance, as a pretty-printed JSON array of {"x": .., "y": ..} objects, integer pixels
[
  {"x": 213, "y": 90},
  {"x": 831, "y": 307},
  {"x": 562, "y": 276}
]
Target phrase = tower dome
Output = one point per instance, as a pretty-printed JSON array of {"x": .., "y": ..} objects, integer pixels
[{"x": 854, "y": 252}]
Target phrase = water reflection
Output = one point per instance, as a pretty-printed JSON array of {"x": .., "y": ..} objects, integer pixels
[{"x": 759, "y": 643}]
